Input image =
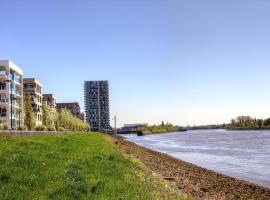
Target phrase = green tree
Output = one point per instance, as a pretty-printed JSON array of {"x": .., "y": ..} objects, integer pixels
[
  {"x": 267, "y": 122},
  {"x": 29, "y": 118},
  {"x": 72, "y": 123},
  {"x": 162, "y": 124},
  {"x": 57, "y": 123},
  {"x": 260, "y": 123},
  {"x": 45, "y": 115}
]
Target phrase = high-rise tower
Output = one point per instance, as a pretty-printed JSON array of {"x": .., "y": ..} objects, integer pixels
[{"x": 97, "y": 107}]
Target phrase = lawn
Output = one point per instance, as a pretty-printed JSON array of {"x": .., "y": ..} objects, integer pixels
[{"x": 80, "y": 166}]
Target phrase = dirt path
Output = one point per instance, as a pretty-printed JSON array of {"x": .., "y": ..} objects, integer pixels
[{"x": 193, "y": 180}]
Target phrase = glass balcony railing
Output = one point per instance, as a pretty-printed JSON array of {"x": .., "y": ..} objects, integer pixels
[
  {"x": 15, "y": 78},
  {"x": 29, "y": 89},
  {"x": 4, "y": 100},
  {"x": 3, "y": 73},
  {"x": 18, "y": 92}
]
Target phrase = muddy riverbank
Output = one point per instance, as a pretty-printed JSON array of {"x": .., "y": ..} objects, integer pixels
[{"x": 191, "y": 179}]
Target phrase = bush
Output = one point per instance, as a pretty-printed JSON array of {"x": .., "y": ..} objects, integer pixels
[
  {"x": 21, "y": 128},
  {"x": 41, "y": 128},
  {"x": 51, "y": 129},
  {"x": 61, "y": 129},
  {"x": 3, "y": 127}
]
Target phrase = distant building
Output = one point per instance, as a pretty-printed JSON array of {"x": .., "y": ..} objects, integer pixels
[
  {"x": 97, "y": 108},
  {"x": 73, "y": 107},
  {"x": 11, "y": 94},
  {"x": 33, "y": 87},
  {"x": 50, "y": 100}
]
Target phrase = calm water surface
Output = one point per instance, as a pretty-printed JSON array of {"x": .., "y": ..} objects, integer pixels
[{"x": 241, "y": 154}]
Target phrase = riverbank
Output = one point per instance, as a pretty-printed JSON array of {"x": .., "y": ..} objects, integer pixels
[
  {"x": 155, "y": 133},
  {"x": 74, "y": 166},
  {"x": 193, "y": 180},
  {"x": 249, "y": 129}
]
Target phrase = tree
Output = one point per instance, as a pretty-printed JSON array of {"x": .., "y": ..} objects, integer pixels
[
  {"x": 69, "y": 122},
  {"x": 29, "y": 118},
  {"x": 162, "y": 124},
  {"x": 45, "y": 115},
  {"x": 260, "y": 123},
  {"x": 57, "y": 123},
  {"x": 233, "y": 122},
  {"x": 267, "y": 122}
]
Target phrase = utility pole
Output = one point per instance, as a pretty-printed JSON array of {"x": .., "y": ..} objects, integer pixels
[{"x": 115, "y": 119}]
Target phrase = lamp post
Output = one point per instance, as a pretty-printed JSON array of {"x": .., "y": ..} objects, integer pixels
[{"x": 115, "y": 119}]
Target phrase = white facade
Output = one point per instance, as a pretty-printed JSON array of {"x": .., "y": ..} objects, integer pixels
[{"x": 11, "y": 94}]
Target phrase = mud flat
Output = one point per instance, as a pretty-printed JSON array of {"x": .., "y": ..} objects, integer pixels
[{"x": 191, "y": 179}]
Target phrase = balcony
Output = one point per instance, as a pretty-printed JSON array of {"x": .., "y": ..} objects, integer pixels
[
  {"x": 17, "y": 92},
  {"x": 3, "y": 75},
  {"x": 4, "y": 101},
  {"x": 30, "y": 89},
  {"x": 35, "y": 100},
  {"x": 17, "y": 79},
  {"x": 36, "y": 110}
]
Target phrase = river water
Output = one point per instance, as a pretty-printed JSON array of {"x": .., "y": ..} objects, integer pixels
[{"x": 241, "y": 154}]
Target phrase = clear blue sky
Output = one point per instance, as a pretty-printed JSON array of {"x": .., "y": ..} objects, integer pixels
[{"x": 182, "y": 61}]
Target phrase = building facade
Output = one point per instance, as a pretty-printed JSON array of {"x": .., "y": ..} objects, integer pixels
[
  {"x": 11, "y": 94},
  {"x": 97, "y": 108},
  {"x": 33, "y": 87},
  {"x": 50, "y": 100},
  {"x": 73, "y": 107}
]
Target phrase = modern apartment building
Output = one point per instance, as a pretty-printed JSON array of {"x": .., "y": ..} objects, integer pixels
[
  {"x": 33, "y": 87},
  {"x": 50, "y": 100},
  {"x": 73, "y": 107},
  {"x": 11, "y": 94},
  {"x": 97, "y": 108}
]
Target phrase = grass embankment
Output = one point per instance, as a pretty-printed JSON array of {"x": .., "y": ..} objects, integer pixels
[{"x": 82, "y": 166}]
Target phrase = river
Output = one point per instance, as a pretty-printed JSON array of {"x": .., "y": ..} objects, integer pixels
[{"x": 241, "y": 154}]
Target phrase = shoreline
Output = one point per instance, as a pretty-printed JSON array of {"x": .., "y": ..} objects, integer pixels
[
  {"x": 192, "y": 180},
  {"x": 247, "y": 129},
  {"x": 145, "y": 134}
]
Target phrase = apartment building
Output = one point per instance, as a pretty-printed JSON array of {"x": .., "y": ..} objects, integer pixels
[
  {"x": 11, "y": 94},
  {"x": 50, "y": 100},
  {"x": 97, "y": 108},
  {"x": 33, "y": 87},
  {"x": 73, "y": 107}
]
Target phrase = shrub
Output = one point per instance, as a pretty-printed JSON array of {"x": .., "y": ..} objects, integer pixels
[
  {"x": 51, "y": 129},
  {"x": 61, "y": 129},
  {"x": 41, "y": 128},
  {"x": 3, "y": 127},
  {"x": 21, "y": 128}
]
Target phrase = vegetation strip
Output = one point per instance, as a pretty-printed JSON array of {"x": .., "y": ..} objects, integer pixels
[
  {"x": 196, "y": 181},
  {"x": 74, "y": 166}
]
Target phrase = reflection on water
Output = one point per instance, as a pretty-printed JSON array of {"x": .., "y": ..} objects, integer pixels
[{"x": 241, "y": 154}]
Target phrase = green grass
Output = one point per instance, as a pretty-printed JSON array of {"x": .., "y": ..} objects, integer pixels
[{"x": 82, "y": 166}]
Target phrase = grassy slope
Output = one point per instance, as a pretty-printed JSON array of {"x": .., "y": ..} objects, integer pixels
[{"x": 83, "y": 166}]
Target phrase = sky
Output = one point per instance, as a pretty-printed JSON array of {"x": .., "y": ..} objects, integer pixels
[{"x": 188, "y": 62}]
